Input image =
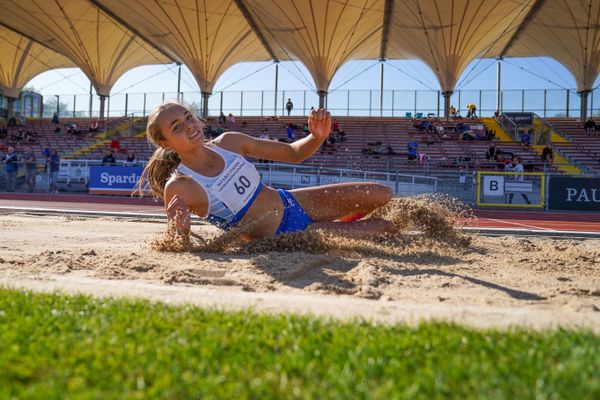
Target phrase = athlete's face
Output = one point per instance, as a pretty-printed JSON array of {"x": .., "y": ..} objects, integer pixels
[{"x": 180, "y": 129}]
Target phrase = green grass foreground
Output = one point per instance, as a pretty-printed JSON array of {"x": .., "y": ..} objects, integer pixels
[{"x": 57, "y": 346}]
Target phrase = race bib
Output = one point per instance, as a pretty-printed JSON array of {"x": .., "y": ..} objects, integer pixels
[{"x": 236, "y": 185}]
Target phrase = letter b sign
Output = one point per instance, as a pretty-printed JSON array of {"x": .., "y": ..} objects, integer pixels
[{"x": 493, "y": 185}]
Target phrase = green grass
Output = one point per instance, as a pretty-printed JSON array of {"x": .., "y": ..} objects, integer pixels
[{"x": 56, "y": 346}]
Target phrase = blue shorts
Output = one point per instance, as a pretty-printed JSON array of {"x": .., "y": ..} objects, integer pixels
[{"x": 294, "y": 218}]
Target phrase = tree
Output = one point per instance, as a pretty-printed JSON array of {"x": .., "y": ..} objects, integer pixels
[{"x": 49, "y": 107}]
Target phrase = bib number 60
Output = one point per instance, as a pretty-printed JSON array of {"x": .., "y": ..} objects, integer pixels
[{"x": 244, "y": 184}]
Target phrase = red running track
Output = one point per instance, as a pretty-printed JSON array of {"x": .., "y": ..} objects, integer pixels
[{"x": 531, "y": 220}]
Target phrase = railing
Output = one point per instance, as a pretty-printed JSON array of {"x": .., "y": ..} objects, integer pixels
[
  {"x": 510, "y": 127},
  {"x": 396, "y": 103}
]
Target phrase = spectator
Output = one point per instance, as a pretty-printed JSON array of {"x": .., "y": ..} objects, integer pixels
[
  {"x": 222, "y": 119},
  {"x": 130, "y": 161},
  {"x": 109, "y": 159},
  {"x": 54, "y": 165},
  {"x": 526, "y": 139},
  {"x": 94, "y": 126},
  {"x": 3, "y": 131},
  {"x": 517, "y": 169},
  {"x": 412, "y": 150},
  {"x": 452, "y": 111},
  {"x": 471, "y": 110},
  {"x": 335, "y": 126},
  {"x": 492, "y": 152},
  {"x": 115, "y": 144},
  {"x": 12, "y": 167},
  {"x": 12, "y": 122},
  {"x": 305, "y": 129},
  {"x": 55, "y": 119},
  {"x": 291, "y": 136},
  {"x": 289, "y": 106},
  {"x": 548, "y": 154},
  {"x": 590, "y": 126},
  {"x": 30, "y": 169},
  {"x": 230, "y": 119},
  {"x": 342, "y": 136}
]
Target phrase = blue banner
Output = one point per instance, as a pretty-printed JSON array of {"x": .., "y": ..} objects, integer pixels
[{"x": 113, "y": 180}]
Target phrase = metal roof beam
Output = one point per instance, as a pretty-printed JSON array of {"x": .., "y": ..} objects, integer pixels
[
  {"x": 530, "y": 14},
  {"x": 385, "y": 30},
  {"x": 112, "y": 15},
  {"x": 246, "y": 13}
]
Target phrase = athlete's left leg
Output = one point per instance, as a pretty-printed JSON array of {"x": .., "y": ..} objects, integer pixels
[{"x": 333, "y": 202}]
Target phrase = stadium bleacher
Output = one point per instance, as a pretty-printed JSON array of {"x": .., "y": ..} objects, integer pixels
[{"x": 358, "y": 150}]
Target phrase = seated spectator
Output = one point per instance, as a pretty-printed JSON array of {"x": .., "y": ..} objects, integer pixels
[
  {"x": 342, "y": 136},
  {"x": 305, "y": 129},
  {"x": 130, "y": 161},
  {"x": 109, "y": 159},
  {"x": 55, "y": 119},
  {"x": 115, "y": 144},
  {"x": 335, "y": 126},
  {"x": 28, "y": 136},
  {"x": 12, "y": 122},
  {"x": 492, "y": 152},
  {"x": 3, "y": 131},
  {"x": 412, "y": 150},
  {"x": 472, "y": 135},
  {"x": 526, "y": 139},
  {"x": 94, "y": 126},
  {"x": 548, "y": 153},
  {"x": 230, "y": 119},
  {"x": 291, "y": 135},
  {"x": 590, "y": 126},
  {"x": 390, "y": 151},
  {"x": 222, "y": 119}
]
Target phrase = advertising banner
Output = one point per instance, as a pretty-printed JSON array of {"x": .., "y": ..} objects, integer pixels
[
  {"x": 113, "y": 180},
  {"x": 520, "y": 118},
  {"x": 568, "y": 193}
]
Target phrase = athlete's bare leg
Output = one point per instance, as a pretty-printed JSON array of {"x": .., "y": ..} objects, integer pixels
[{"x": 332, "y": 202}]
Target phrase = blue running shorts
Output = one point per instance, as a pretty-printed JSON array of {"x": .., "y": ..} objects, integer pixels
[{"x": 294, "y": 218}]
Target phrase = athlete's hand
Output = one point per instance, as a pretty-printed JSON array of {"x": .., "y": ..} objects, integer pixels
[
  {"x": 319, "y": 123},
  {"x": 178, "y": 215}
]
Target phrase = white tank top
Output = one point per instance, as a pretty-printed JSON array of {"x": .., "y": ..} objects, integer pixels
[{"x": 231, "y": 193}]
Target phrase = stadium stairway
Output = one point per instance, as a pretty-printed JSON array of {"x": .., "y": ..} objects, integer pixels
[
  {"x": 562, "y": 163},
  {"x": 103, "y": 140},
  {"x": 490, "y": 123}
]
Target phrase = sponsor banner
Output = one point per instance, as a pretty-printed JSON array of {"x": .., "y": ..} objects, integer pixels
[
  {"x": 567, "y": 193},
  {"x": 520, "y": 118},
  {"x": 113, "y": 180}
]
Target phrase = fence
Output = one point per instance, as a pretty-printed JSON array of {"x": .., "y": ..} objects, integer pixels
[
  {"x": 462, "y": 184},
  {"x": 390, "y": 103}
]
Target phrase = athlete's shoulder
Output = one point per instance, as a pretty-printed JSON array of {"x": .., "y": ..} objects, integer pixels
[
  {"x": 232, "y": 141},
  {"x": 185, "y": 187}
]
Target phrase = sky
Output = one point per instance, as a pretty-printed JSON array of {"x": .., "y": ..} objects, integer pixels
[{"x": 348, "y": 92}]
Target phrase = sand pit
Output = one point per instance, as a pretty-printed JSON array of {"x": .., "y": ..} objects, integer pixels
[{"x": 499, "y": 281}]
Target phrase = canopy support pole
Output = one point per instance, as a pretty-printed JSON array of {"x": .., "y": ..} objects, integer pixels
[
  {"x": 11, "y": 106},
  {"x": 102, "y": 103},
  {"x": 447, "y": 96},
  {"x": 205, "y": 96},
  {"x": 584, "y": 105},
  {"x": 381, "y": 92},
  {"x": 498, "y": 100},
  {"x": 322, "y": 98},
  {"x": 179, "y": 82},
  {"x": 276, "y": 88}
]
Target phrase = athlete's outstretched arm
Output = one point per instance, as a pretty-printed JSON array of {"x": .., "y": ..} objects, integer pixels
[{"x": 319, "y": 123}]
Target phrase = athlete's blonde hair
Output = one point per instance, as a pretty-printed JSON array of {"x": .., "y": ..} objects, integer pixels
[{"x": 163, "y": 162}]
